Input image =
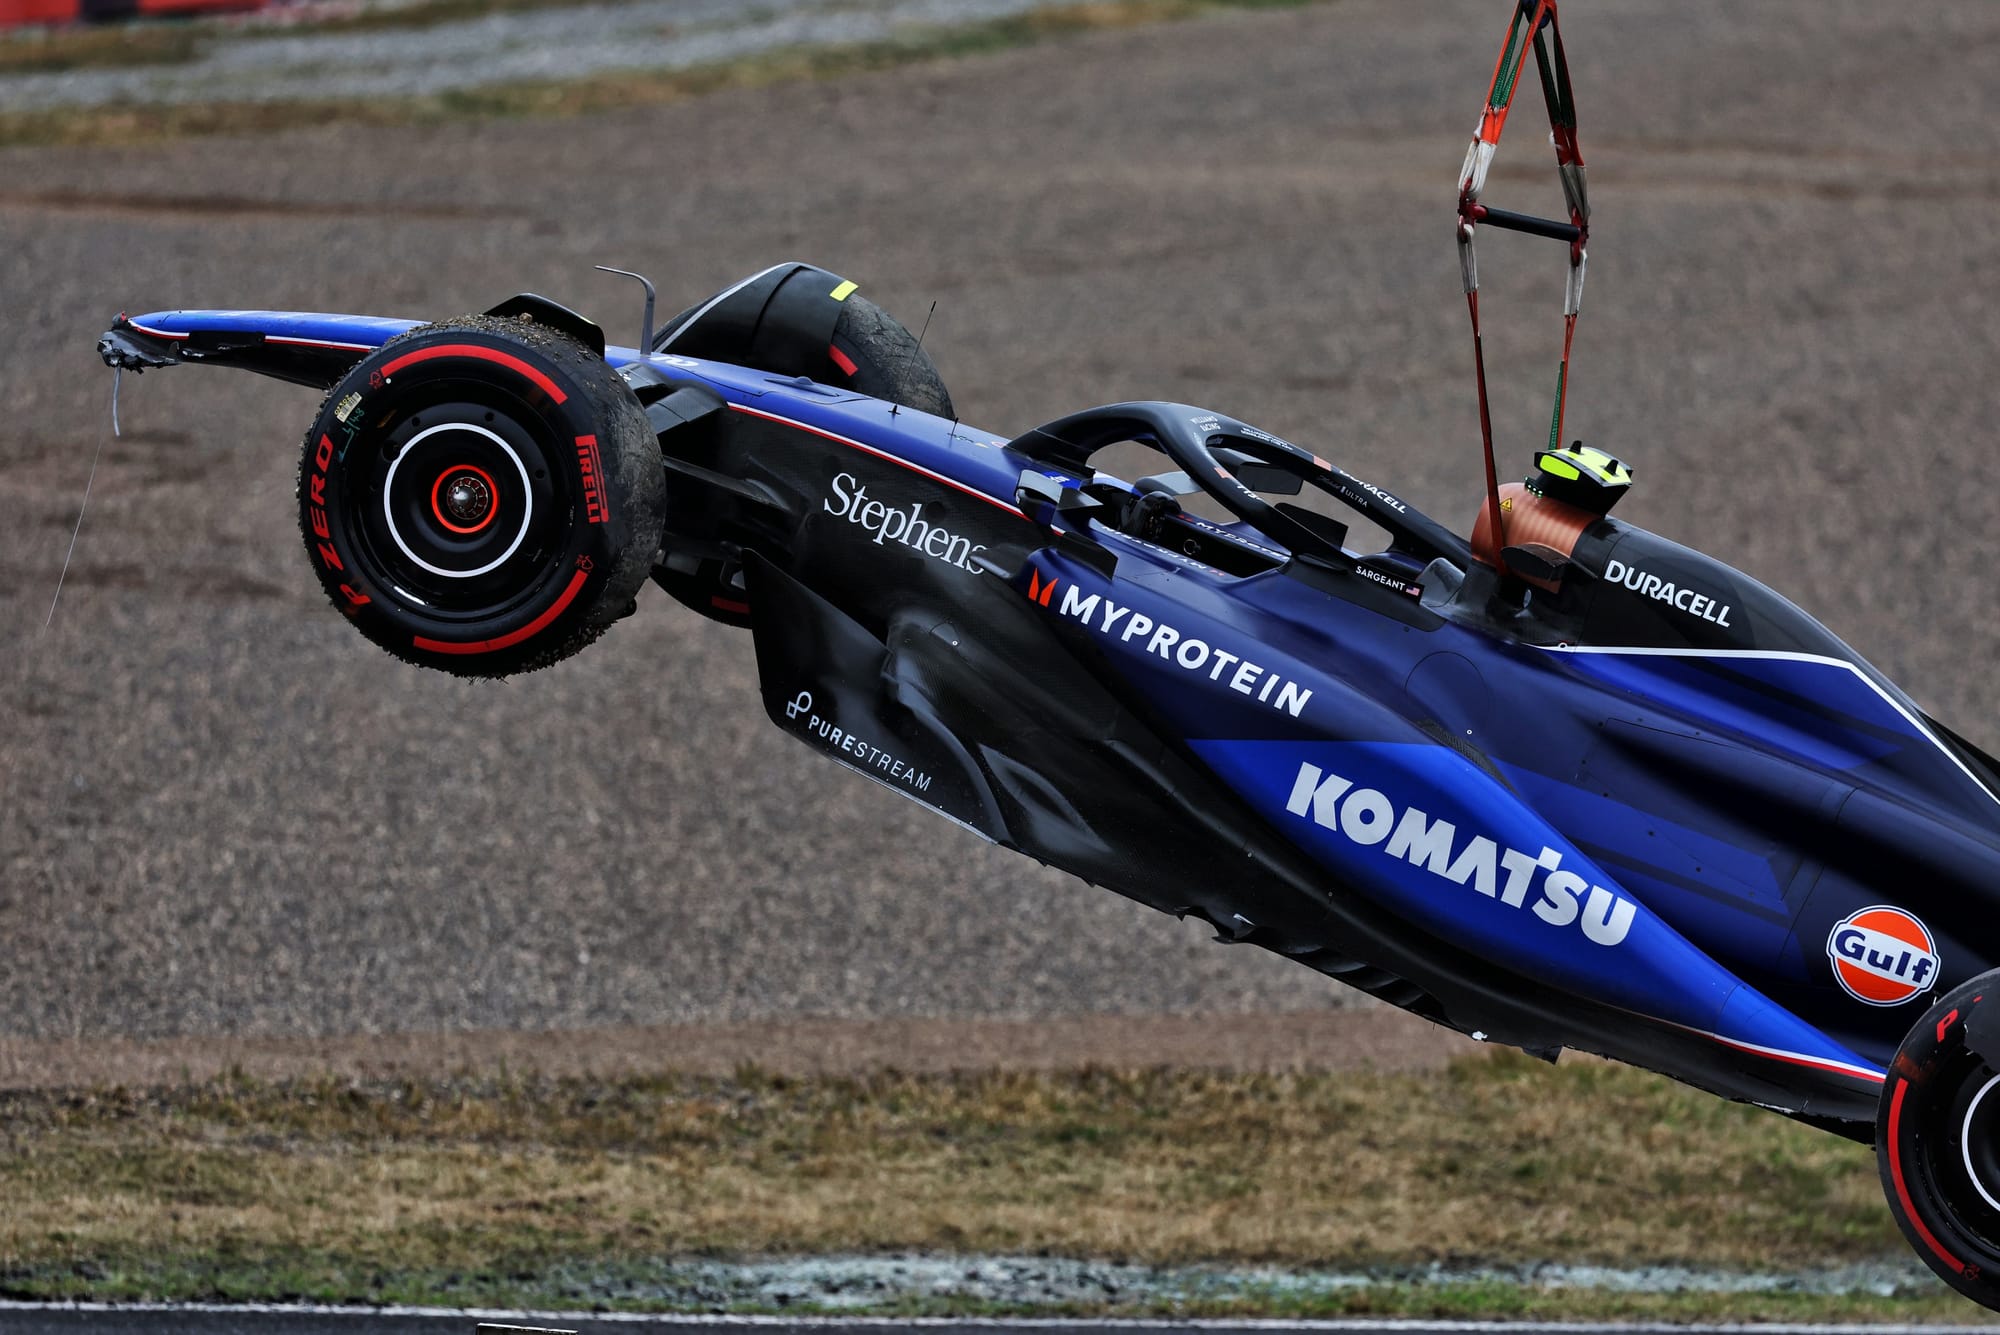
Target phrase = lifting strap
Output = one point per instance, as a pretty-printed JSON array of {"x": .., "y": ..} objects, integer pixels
[{"x": 1533, "y": 26}]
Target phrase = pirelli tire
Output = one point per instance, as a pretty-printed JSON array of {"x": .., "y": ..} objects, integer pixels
[
  {"x": 888, "y": 361},
  {"x": 481, "y": 496},
  {"x": 1937, "y": 1138},
  {"x": 871, "y": 353}
]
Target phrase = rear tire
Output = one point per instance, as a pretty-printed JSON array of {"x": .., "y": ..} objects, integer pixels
[
  {"x": 888, "y": 361},
  {"x": 750, "y": 324},
  {"x": 1937, "y": 1139},
  {"x": 869, "y": 350},
  {"x": 481, "y": 496}
]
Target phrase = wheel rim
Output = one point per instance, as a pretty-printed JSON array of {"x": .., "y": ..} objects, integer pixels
[
  {"x": 459, "y": 510},
  {"x": 1951, "y": 1143},
  {"x": 1979, "y": 1143},
  {"x": 441, "y": 540}
]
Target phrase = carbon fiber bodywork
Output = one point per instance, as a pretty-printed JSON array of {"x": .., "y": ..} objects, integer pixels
[{"x": 1640, "y": 808}]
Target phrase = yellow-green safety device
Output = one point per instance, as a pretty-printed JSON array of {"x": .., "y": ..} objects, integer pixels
[{"x": 1580, "y": 475}]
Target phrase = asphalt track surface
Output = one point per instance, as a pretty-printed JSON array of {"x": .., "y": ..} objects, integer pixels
[
  {"x": 221, "y": 813},
  {"x": 222, "y": 1321}
]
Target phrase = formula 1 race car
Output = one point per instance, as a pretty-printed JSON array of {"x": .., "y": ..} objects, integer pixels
[{"x": 1562, "y": 783}]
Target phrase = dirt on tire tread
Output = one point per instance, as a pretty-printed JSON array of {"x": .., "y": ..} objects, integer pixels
[{"x": 615, "y": 596}]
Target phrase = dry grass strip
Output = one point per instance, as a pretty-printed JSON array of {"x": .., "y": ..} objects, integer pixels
[
  {"x": 1356, "y": 1038},
  {"x": 1503, "y": 1160}
]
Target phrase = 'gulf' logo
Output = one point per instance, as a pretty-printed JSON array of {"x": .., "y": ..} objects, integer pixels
[{"x": 1883, "y": 956}]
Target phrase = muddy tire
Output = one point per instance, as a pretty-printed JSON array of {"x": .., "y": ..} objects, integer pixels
[
  {"x": 1937, "y": 1139},
  {"x": 481, "y": 496},
  {"x": 869, "y": 351},
  {"x": 887, "y": 359},
  {"x": 777, "y": 321}
]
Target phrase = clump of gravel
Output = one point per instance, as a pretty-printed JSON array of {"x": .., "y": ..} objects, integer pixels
[{"x": 1015, "y": 1282}]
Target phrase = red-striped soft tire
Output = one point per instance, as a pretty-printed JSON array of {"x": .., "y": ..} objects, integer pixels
[
  {"x": 1937, "y": 1138},
  {"x": 481, "y": 496},
  {"x": 871, "y": 352},
  {"x": 875, "y": 355}
]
